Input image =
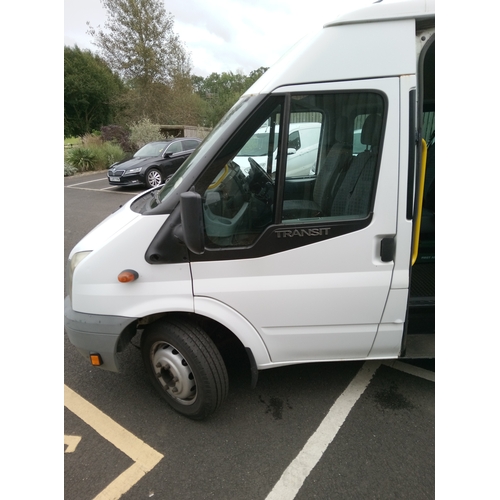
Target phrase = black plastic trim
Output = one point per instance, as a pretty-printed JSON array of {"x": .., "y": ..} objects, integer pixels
[
  {"x": 387, "y": 249},
  {"x": 412, "y": 145},
  {"x": 254, "y": 371},
  {"x": 167, "y": 246},
  {"x": 282, "y": 237}
]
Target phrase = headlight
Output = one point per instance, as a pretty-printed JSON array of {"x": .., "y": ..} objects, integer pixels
[
  {"x": 133, "y": 171},
  {"x": 75, "y": 260}
]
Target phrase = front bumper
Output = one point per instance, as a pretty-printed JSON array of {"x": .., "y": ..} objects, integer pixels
[
  {"x": 127, "y": 180},
  {"x": 94, "y": 333}
]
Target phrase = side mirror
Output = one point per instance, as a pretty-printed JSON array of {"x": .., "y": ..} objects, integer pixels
[
  {"x": 192, "y": 222},
  {"x": 291, "y": 151}
]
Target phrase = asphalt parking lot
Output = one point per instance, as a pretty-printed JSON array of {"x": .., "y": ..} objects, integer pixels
[{"x": 346, "y": 430}]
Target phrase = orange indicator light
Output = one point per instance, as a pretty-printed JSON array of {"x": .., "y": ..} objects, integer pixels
[
  {"x": 127, "y": 276},
  {"x": 95, "y": 359}
]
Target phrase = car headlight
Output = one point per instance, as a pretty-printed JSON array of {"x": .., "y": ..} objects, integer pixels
[
  {"x": 133, "y": 171},
  {"x": 72, "y": 263}
]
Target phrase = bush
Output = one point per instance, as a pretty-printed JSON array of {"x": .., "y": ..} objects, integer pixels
[
  {"x": 97, "y": 156},
  {"x": 144, "y": 131},
  {"x": 117, "y": 135},
  {"x": 91, "y": 140},
  {"x": 69, "y": 170},
  {"x": 107, "y": 154},
  {"x": 83, "y": 159}
]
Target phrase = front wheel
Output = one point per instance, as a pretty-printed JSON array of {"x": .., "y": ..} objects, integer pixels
[
  {"x": 185, "y": 367},
  {"x": 153, "y": 178}
]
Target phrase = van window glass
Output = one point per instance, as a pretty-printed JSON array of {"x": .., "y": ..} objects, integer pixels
[
  {"x": 232, "y": 116},
  {"x": 327, "y": 172},
  {"x": 238, "y": 188},
  {"x": 338, "y": 167}
]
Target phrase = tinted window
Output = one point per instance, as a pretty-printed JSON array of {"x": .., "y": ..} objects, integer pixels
[
  {"x": 175, "y": 147},
  {"x": 342, "y": 168},
  {"x": 190, "y": 144},
  {"x": 326, "y": 178},
  {"x": 237, "y": 191}
]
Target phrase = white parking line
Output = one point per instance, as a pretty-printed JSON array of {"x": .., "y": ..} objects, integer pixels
[
  {"x": 294, "y": 476},
  {"x": 87, "y": 182},
  {"x": 412, "y": 370},
  {"x": 144, "y": 456},
  {"x": 296, "y": 473}
]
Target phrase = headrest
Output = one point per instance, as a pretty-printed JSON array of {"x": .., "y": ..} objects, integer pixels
[
  {"x": 341, "y": 131},
  {"x": 370, "y": 135}
]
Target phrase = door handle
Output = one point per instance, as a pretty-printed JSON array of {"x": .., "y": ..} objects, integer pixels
[{"x": 387, "y": 249}]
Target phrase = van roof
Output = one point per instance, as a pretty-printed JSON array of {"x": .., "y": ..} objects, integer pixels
[
  {"x": 377, "y": 41},
  {"x": 385, "y": 10}
]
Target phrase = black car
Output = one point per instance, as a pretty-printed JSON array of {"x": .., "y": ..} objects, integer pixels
[{"x": 153, "y": 164}]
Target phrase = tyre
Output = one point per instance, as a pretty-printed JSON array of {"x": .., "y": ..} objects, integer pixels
[
  {"x": 185, "y": 367},
  {"x": 153, "y": 178}
]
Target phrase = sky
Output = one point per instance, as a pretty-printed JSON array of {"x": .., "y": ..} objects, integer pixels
[{"x": 224, "y": 35}]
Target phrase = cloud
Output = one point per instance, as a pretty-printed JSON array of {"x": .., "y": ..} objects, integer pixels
[{"x": 224, "y": 35}]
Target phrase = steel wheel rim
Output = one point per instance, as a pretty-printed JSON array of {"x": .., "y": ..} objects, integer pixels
[{"x": 173, "y": 373}]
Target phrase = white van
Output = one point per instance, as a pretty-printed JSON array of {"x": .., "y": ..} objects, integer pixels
[
  {"x": 337, "y": 264},
  {"x": 303, "y": 140}
]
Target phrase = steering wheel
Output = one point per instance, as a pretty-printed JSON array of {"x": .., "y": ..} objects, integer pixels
[
  {"x": 260, "y": 183},
  {"x": 257, "y": 174}
]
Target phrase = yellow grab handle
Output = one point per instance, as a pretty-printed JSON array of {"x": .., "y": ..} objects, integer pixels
[{"x": 420, "y": 201}]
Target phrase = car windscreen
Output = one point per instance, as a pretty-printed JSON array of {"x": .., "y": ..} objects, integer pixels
[{"x": 151, "y": 149}]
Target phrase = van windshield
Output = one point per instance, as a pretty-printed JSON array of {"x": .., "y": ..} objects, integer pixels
[{"x": 234, "y": 114}]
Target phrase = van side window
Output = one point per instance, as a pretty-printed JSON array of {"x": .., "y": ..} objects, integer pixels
[
  {"x": 342, "y": 172},
  {"x": 326, "y": 171},
  {"x": 238, "y": 189}
]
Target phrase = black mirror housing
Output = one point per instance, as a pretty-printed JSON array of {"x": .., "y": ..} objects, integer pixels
[{"x": 192, "y": 222}]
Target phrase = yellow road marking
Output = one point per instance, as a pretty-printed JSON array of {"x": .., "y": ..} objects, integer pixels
[
  {"x": 71, "y": 442},
  {"x": 144, "y": 456}
]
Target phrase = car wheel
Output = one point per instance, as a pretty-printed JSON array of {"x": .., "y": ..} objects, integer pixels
[
  {"x": 153, "y": 178},
  {"x": 185, "y": 367}
]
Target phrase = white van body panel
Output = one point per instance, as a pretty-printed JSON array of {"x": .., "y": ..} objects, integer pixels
[
  {"x": 235, "y": 322},
  {"x": 401, "y": 277},
  {"x": 104, "y": 231},
  {"x": 366, "y": 55},
  {"x": 388, "y": 9},
  {"x": 159, "y": 288}
]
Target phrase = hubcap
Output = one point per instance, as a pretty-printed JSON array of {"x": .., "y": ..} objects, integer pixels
[{"x": 174, "y": 373}]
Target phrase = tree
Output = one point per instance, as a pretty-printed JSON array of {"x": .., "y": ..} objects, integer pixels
[
  {"x": 221, "y": 91},
  {"x": 91, "y": 91},
  {"x": 139, "y": 43}
]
